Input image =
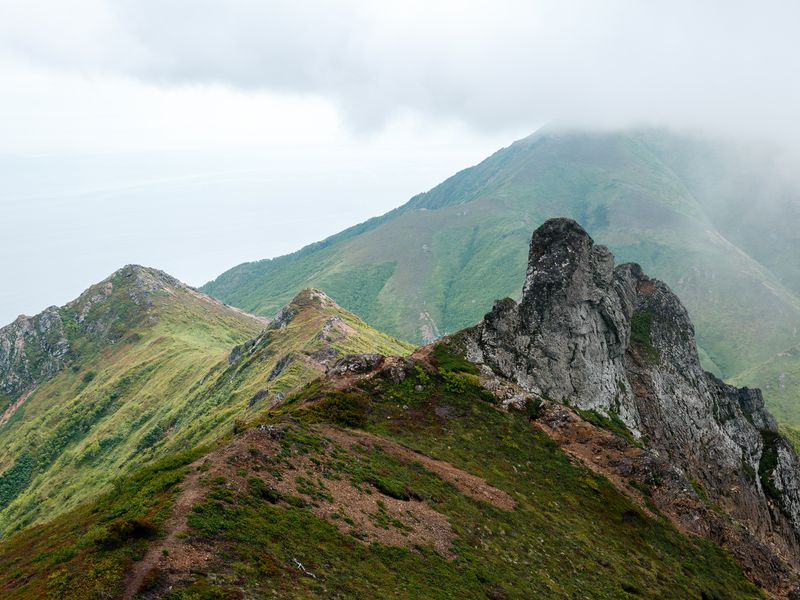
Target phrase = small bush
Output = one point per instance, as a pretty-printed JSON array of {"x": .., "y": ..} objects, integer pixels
[
  {"x": 446, "y": 359},
  {"x": 391, "y": 487},
  {"x": 262, "y": 491},
  {"x": 533, "y": 408},
  {"x": 347, "y": 410},
  {"x": 120, "y": 532}
]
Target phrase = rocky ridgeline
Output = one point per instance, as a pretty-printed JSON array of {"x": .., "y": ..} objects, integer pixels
[
  {"x": 614, "y": 341},
  {"x": 33, "y": 349}
]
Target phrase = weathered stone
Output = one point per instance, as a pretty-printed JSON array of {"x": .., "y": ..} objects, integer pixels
[
  {"x": 31, "y": 349},
  {"x": 615, "y": 341},
  {"x": 357, "y": 363}
]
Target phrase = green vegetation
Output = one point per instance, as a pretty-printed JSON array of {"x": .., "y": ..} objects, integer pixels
[
  {"x": 571, "y": 533},
  {"x": 165, "y": 387},
  {"x": 659, "y": 200},
  {"x": 448, "y": 359},
  {"x": 792, "y": 435},
  {"x": 779, "y": 379},
  {"x": 100, "y": 418},
  {"x": 612, "y": 423},
  {"x": 641, "y": 335},
  {"x": 85, "y": 554}
]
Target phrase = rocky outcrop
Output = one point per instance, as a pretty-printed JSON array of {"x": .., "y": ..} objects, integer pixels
[
  {"x": 615, "y": 341},
  {"x": 357, "y": 363},
  {"x": 31, "y": 349}
]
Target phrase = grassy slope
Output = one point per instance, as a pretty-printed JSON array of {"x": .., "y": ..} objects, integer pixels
[
  {"x": 167, "y": 386},
  {"x": 779, "y": 379},
  {"x": 97, "y": 417},
  {"x": 436, "y": 264},
  {"x": 86, "y": 552},
  {"x": 571, "y": 533}
]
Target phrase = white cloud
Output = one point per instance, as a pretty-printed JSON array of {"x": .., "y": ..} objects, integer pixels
[
  {"x": 503, "y": 63},
  {"x": 233, "y": 120}
]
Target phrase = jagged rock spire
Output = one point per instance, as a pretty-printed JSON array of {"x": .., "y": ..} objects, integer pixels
[
  {"x": 566, "y": 338},
  {"x": 616, "y": 341}
]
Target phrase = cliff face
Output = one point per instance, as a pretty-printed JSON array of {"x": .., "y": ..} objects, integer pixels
[
  {"x": 615, "y": 341},
  {"x": 31, "y": 348}
]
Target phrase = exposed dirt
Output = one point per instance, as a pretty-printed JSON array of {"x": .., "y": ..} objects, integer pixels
[
  {"x": 371, "y": 517},
  {"x": 358, "y": 509},
  {"x": 174, "y": 552},
  {"x": 12, "y": 408},
  {"x": 468, "y": 484}
]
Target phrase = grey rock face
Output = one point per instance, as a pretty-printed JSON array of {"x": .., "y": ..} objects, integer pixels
[
  {"x": 615, "y": 341},
  {"x": 31, "y": 349},
  {"x": 566, "y": 339},
  {"x": 357, "y": 363}
]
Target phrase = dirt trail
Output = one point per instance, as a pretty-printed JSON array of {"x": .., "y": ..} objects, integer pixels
[
  {"x": 9, "y": 412},
  {"x": 176, "y": 550}
]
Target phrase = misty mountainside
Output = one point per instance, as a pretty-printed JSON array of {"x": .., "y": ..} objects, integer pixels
[
  {"x": 719, "y": 223},
  {"x": 141, "y": 366},
  {"x": 567, "y": 445}
]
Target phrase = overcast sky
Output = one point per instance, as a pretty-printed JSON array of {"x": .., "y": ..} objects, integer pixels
[{"x": 192, "y": 135}]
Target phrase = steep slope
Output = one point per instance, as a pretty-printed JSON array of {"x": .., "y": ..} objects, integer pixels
[
  {"x": 436, "y": 493},
  {"x": 141, "y": 366},
  {"x": 613, "y": 341},
  {"x": 719, "y": 227},
  {"x": 780, "y": 378}
]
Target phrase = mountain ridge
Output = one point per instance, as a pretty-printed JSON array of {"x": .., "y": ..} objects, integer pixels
[
  {"x": 436, "y": 263},
  {"x": 142, "y": 367},
  {"x": 568, "y": 445}
]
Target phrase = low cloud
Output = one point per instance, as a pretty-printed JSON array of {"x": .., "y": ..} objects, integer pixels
[{"x": 728, "y": 66}]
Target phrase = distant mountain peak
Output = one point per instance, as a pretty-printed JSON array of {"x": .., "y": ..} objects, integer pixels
[
  {"x": 147, "y": 276},
  {"x": 328, "y": 331},
  {"x": 35, "y": 348}
]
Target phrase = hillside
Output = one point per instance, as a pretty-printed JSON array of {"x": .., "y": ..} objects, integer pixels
[
  {"x": 310, "y": 508},
  {"x": 718, "y": 224},
  {"x": 139, "y": 367},
  {"x": 473, "y": 468}
]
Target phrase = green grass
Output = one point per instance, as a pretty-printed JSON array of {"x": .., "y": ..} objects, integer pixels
[
  {"x": 166, "y": 387},
  {"x": 85, "y": 553},
  {"x": 641, "y": 335},
  {"x": 571, "y": 535},
  {"x": 612, "y": 423},
  {"x": 779, "y": 379}
]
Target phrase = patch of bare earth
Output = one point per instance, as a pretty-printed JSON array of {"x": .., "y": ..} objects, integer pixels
[
  {"x": 468, "y": 484},
  {"x": 13, "y": 407},
  {"x": 357, "y": 509},
  {"x": 369, "y": 517},
  {"x": 175, "y": 554}
]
